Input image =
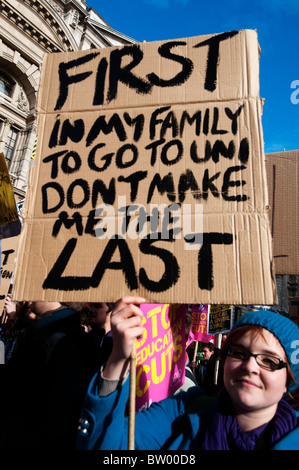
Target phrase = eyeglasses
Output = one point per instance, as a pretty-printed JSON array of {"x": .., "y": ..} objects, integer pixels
[{"x": 266, "y": 361}]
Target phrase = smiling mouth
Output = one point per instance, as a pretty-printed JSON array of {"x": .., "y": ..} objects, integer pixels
[{"x": 247, "y": 383}]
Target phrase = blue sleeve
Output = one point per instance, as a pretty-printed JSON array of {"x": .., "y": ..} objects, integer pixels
[
  {"x": 291, "y": 440},
  {"x": 104, "y": 423}
]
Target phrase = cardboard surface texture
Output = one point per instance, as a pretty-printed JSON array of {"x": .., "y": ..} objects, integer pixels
[
  {"x": 169, "y": 128},
  {"x": 283, "y": 182}
]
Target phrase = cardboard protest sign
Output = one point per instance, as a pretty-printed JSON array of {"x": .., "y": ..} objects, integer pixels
[
  {"x": 149, "y": 176},
  {"x": 10, "y": 225},
  {"x": 283, "y": 182},
  {"x": 199, "y": 323},
  {"x": 9, "y": 248},
  {"x": 219, "y": 319},
  {"x": 160, "y": 354}
]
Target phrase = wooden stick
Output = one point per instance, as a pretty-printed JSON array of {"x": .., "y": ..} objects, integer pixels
[
  {"x": 132, "y": 400},
  {"x": 216, "y": 370},
  {"x": 195, "y": 354}
]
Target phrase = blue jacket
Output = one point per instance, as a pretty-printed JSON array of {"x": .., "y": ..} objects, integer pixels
[{"x": 104, "y": 424}]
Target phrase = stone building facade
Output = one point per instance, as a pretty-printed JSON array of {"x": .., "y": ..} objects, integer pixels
[{"x": 29, "y": 29}]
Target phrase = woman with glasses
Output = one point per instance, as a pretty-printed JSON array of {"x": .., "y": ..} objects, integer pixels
[{"x": 261, "y": 364}]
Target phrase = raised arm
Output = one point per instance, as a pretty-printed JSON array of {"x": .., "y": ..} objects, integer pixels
[
  {"x": 126, "y": 326},
  {"x": 104, "y": 419}
]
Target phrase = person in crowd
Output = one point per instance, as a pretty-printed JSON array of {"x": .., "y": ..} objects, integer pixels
[
  {"x": 250, "y": 413},
  {"x": 45, "y": 381},
  {"x": 98, "y": 316},
  {"x": 18, "y": 317},
  {"x": 209, "y": 371},
  {"x": 201, "y": 367},
  {"x": 213, "y": 378},
  {"x": 190, "y": 380}
]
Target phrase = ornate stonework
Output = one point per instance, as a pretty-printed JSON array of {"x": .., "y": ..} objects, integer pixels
[{"x": 29, "y": 30}]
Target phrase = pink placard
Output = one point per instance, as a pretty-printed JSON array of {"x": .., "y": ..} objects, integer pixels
[
  {"x": 199, "y": 323},
  {"x": 160, "y": 354}
]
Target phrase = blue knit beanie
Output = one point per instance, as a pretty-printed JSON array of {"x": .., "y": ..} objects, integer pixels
[{"x": 284, "y": 329}]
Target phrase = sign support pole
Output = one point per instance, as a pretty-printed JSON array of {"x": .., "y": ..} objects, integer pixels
[
  {"x": 194, "y": 355},
  {"x": 218, "y": 345},
  {"x": 132, "y": 399}
]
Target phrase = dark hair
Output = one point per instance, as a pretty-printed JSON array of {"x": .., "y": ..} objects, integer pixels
[
  {"x": 237, "y": 333},
  {"x": 21, "y": 320},
  {"x": 210, "y": 346}
]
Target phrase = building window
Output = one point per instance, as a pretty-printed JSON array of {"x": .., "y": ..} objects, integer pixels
[
  {"x": 6, "y": 84},
  {"x": 10, "y": 145}
]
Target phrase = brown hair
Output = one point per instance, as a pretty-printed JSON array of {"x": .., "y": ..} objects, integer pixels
[{"x": 236, "y": 334}]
